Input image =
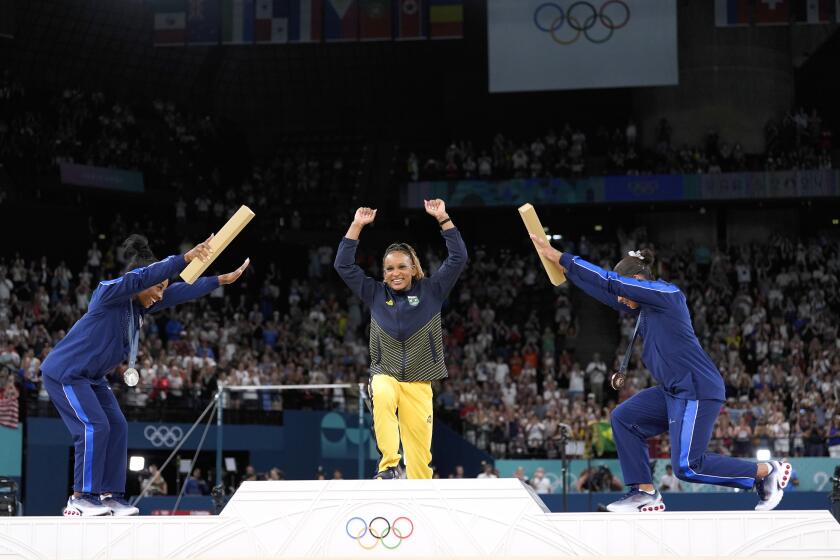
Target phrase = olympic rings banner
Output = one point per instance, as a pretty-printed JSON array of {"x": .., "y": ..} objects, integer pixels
[{"x": 538, "y": 45}]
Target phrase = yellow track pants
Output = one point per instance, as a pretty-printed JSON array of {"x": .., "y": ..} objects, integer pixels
[{"x": 403, "y": 410}]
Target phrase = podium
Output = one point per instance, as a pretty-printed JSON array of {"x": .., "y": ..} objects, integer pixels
[{"x": 487, "y": 519}]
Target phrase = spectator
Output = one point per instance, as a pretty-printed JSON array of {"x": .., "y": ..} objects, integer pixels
[
  {"x": 154, "y": 484},
  {"x": 196, "y": 485},
  {"x": 487, "y": 471},
  {"x": 668, "y": 482},
  {"x": 539, "y": 482}
]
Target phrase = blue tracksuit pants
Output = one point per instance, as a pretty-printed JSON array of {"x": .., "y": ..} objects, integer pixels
[
  {"x": 99, "y": 430},
  {"x": 690, "y": 424}
]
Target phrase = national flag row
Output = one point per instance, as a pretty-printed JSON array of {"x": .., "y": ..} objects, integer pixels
[
  {"x": 775, "y": 12},
  {"x": 241, "y": 22}
]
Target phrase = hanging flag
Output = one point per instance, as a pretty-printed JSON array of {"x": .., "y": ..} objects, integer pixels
[
  {"x": 203, "y": 22},
  {"x": 446, "y": 19},
  {"x": 341, "y": 20},
  {"x": 237, "y": 22},
  {"x": 771, "y": 12},
  {"x": 9, "y": 408},
  {"x": 272, "y": 21},
  {"x": 374, "y": 20},
  {"x": 410, "y": 19},
  {"x": 170, "y": 22},
  {"x": 306, "y": 20},
  {"x": 815, "y": 11},
  {"x": 732, "y": 12},
  {"x": 603, "y": 441}
]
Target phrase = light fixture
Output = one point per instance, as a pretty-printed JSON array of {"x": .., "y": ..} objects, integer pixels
[
  {"x": 136, "y": 463},
  {"x": 599, "y": 227},
  {"x": 762, "y": 455},
  {"x": 835, "y": 221}
]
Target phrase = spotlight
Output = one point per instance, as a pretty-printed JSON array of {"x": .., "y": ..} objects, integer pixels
[
  {"x": 136, "y": 463},
  {"x": 599, "y": 227},
  {"x": 762, "y": 454}
]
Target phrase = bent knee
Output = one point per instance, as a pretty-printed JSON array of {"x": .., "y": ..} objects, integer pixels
[{"x": 683, "y": 471}]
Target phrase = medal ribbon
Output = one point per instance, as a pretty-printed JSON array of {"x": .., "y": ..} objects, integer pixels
[{"x": 133, "y": 337}]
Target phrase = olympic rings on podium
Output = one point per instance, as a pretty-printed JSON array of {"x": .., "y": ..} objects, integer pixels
[{"x": 379, "y": 528}]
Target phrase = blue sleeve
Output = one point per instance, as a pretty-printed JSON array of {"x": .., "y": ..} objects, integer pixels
[
  {"x": 444, "y": 279},
  {"x": 610, "y": 285},
  {"x": 181, "y": 291},
  {"x": 352, "y": 274},
  {"x": 137, "y": 280}
]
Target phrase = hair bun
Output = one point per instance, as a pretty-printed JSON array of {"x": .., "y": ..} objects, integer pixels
[
  {"x": 137, "y": 246},
  {"x": 647, "y": 256}
]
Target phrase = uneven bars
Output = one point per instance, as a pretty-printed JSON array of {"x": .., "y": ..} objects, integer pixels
[{"x": 240, "y": 388}]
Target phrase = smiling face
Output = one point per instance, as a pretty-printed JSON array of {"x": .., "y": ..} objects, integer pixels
[
  {"x": 150, "y": 296},
  {"x": 398, "y": 270}
]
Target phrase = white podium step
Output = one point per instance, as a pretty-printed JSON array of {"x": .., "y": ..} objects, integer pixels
[{"x": 417, "y": 519}]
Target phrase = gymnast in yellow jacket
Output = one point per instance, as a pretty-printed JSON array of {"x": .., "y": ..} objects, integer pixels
[{"x": 406, "y": 341}]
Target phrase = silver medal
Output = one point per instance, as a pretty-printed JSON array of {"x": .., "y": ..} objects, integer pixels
[{"x": 131, "y": 377}]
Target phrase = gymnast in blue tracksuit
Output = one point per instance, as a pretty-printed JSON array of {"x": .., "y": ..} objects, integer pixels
[
  {"x": 688, "y": 398},
  {"x": 74, "y": 371}
]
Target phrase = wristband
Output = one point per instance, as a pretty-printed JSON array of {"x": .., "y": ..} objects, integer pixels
[{"x": 444, "y": 221}]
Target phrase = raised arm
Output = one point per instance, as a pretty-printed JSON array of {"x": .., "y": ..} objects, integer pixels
[
  {"x": 182, "y": 292},
  {"x": 345, "y": 258},
  {"x": 577, "y": 275},
  {"x": 456, "y": 260},
  {"x": 137, "y": 280},
  {"x": 652, "y": 293},
  {"x": 594, "y": 290}
]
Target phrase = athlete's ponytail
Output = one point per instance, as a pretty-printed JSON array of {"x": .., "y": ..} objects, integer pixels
[
  {"x": 137, "y": 252},
  {"x": 636, "y": 262}
]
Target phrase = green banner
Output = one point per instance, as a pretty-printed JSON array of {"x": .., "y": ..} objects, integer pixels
[{"x": 11, "y": 442}]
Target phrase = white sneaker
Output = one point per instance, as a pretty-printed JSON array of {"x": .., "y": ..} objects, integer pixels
[
  {"x": 637, "y": 500},
  {"x": 85, "y": 505},
  {"x": 771, "y": 488},
  {"x": 118, "y": 505}
]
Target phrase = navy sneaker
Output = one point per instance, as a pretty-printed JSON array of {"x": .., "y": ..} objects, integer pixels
[
  {"x": 389, "y": 474},
  {"x": 85, "y": 505},
  {"x": 637, "y": 500}
]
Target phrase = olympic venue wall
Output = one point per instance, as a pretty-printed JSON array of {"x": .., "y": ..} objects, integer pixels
[
  {"x": 11, "y": 442},
  {"x": 627, "y": 189},
  {"x": 306, "y": 441},
  {"x": 813, "y": 473}
]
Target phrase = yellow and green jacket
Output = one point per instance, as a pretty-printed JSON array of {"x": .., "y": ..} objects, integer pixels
[{"x": 406, "y": 340}]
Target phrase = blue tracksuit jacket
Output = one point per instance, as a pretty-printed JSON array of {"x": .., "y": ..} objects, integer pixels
[
  {"x": 671, "y": 350},
  {"x": 98, "y": 342}
]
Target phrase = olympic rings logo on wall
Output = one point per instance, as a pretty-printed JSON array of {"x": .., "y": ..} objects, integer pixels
[
  {"x": 390, "y": 534},
  {"x": 163, "y": 436},
  {"x": 551, "y": 18}
]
